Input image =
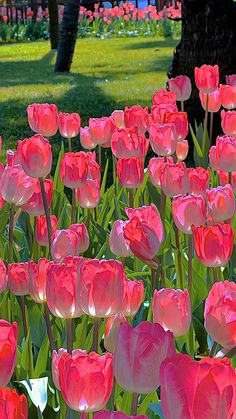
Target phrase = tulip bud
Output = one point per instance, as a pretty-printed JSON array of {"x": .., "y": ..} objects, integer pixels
[
  {"x": 64, "y": 243},
  {"x": 228, "y": 96},
  {"x": 220, "y": 203},
  {"x": 69, "y": 124},
  {"x": 224, "y": 178},
  {"x": 16, "y": 186},
  {"x": 38, "y": 279},
  {"x": 18, "y": 278},
  {"x": 136, "y": 116},
  {"x": 74, "y": 169},
  {"x": 36, "y": 156},
  {"x": 83, "y": 236},
  {"x": 174, "y": 179},
  {"x": 34, "y": 206},
  {"x": 226, "y": 153},
  {"x": 41, "y": 229},
  {"x": 3, "y": 276},
  {"x": 182, "y": 148},
  {"x": 100, "y": 130},
  {"x": 117, "y": 241},
  {"x": 180, "y": 121},
  {"x": 164, "y": 97},
  {"x": 43, "y": 118},
  {"x": 155, "y": 167},
  {"x": 8, "y": 349},
  {"x": 12, "y": 405},
  {"x": 160, "y": 112},
  {"x": 188, "y": 210},
  {"x": 127, "y": 143},
  {"x": 228, "y": 122},
  {"x": 214, "y": 100},
  {"x": 207, "y": 78},
  {"x": 181, "y": 86},
  {"x": 130, "y": 172},
  {"x": 163, "y": 139},
  {"x": 199, "y": 180},
  {"x": 133, "y": 297},
  {"x": 111, "y": 331},
  {"x": 85, "y": 139}
]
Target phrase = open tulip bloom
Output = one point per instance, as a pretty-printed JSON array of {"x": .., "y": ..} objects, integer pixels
[{"x": 117, "y": 287}]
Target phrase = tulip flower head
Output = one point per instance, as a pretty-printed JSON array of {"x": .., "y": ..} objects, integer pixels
[
  {"x": 43, "y": 118},
  {"x": 207, "y": 78},
  {"x": 181, "y": 86},
  {"x": 69, "y": 124},
  {"x": 36, "y": 156},
  {"x": 8, "y": 349},
  {"x": 12, "y": 405}
]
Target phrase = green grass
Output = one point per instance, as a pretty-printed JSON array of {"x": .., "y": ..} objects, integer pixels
[{"x": 106, "y": 75}]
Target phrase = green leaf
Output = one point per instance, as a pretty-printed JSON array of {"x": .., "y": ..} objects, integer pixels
[
  {"x": 42, "y": 359},
  {"x": 58, "y": 185}
]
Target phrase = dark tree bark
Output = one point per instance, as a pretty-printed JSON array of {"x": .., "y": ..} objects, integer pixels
[
  {"x": 53, "y": 23},
  {"x": 68, "y": 35}
]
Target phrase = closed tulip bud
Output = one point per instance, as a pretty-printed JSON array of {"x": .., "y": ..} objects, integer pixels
[
  {"x": 220, "y": 313},
  {"x": 180, "y": 121},
  {"x": 126, "y": 142},
  {"x": 43, "y": 118},
  {"x": 117, "y": 119},
  {"x": 228, "y": 122},
  {"x": 164, "y": 97},
  {"x": 111, "y": 331},
  {"x": 182, "y": 148},
  {"x": 155, "y": 167},
  {"x": 8, "y": 350},
  {"x": 130, "y": 172},
  {"x": 220, "y": 203},
  {"x": 219, "y": 237},
  {"x": 172, "y": 310},
  {"x": 136, "y": 115},
  {"x": 199, "y": 180},
  {"x": 41, "y": 229},
  {"x": 163, "y": 139},
  {"x": 83, "y": 236},
  {"x": 16, "y": 186},
  {"x": 89, "y": 194},
  {"x": 137, "y": 350},
  {"x": 188, "y": 210},
  {"x": 69, "y": 124},
  {"x": 12, "y": 405},
  {"x": 94, "y": 370},
  {"x": 174, "y": 179},
  {"x": 191, "y": 389},
  {"x": 18, "y": 278},
  {"x": 207, "y": 78},
  {"x": 214, "y": 100},
  {"x": 224, "y": 178},
  {"x": 117, "y": 241},
  {"x": 38, "y": 279},
  {"x": 213, "y": 158},
  {"x": 226, "y": 153},
  {"x": 133, "y": 297},
  {"x": 74, "y": 169},
  {"x": 36, "y": 156},
  {"x": 62, "y": 289},
  {"x": 107, "y": 414},
  {"x": 181, "y": 86},
  {"x": 228, "y": 96},
  {"x": 64, "y": 243},
  {"x": 100, "y": 130},
  {"x": 159, "y": 112},
  {"x": 3, "y": 276},
  {"x": 34, "y": 206},
  {"x": 85, "y": 139},
  {"x": 231, "y": 80}
]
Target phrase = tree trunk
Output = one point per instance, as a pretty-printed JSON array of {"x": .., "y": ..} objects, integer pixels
[
  {"x": 53, "y": 23},
  {"x": 68, "y": 35}
]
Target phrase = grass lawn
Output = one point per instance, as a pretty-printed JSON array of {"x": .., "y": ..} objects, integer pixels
[{"x": 106, "y": 75}]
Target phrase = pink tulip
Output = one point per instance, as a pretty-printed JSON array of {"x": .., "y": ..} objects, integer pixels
[
  {"x": 137, "y": 351},
  {"x": 117, "y": 241},
  {"x": 213, "y": 158},
  {"x": 18, "y": 278},
  {"x": 188, "y": 210},
  {"x": 55, "y": 361},
  {"x": 207, "y": 78},
  {"x": 214, "y": 100},
  {"x": 34, "y": 206},
  {"x": 148, "y": 214},
  {"x": 41, "y": 230},
  {"x": 133, "y": 297},
  {"x": 199, "y": 180},
  {"x": 16, "y": 187},
  {"x": 13, "y": 158},
  {"x": 85, "y": 139},
  {"x": 8, "y": 349},
  {"x": 172, "y": 310},
  {"x": 225, "y": 153},
  {"x": 180, "y": 121},
  {"x": 174, "y": 179},
  {"x": 117, "y": 119},
  {"x": 231, "y": 80},
  {"x": 64, "y": 243},
  {"x": 220, "y": 203},
  {"x": 89, "y": 194},
  {"x": 164, "y": 97},
  {"x": 228, "y": 122},
  {"x": 160, "y": 112},
  {"x": 126, "y": 142},
  {"x": 130, "y": 172},
  {"x": 182, "y": 148},
  {"x": 228, "y": 96},
  {"x": 3, "y": 276},
  {"x": 36, "y": 156},
  {"x": 38, "y": 279},
  {"x": 111, "y": 331},
  {"x": 155, "y": 167},
  {"x": 100, "y": 130},
  {"x": 224, "y": 178},
  {"x": 83, "y": 236},
  {"x": 107, "y": 414},
  {"x": 43, "y": 118},
  {"x": 163, "y": 139},
  {"x": 69, "y": 124},
  {"x": 74, "y": 169},
  {"x": 181, "y": 86},
  {"x": 136, "y": 116}
]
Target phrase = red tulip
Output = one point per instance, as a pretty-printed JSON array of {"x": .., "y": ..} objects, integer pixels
[
  {"x": 148, "y": 214},
  {"x": 220, "y": 203},
  {"x": 172, "y": 310},
  {"x": 8, "y": 349},
  {"x": 220, "y": 313},
  {"x": 34, "y": 206},
  {"x": 13, "y": 406},
  {"x": 159, "y": 112},
  {"x": 43, "y": 118},
  {"x": 3, "y": 276},
  {"x": 225, "y": 153},
  {"x": 228, "y": 122},
  {"x": 74, "y": 169},
  {"x": 36, "y": 156},
  {"x": 18, "y": 278},
  {"x": 164, "y": 97},
  {"x": 231, "y": 80},
  {"x": 117, "y": 119},
  {"x": 163, "y": 139},
  {"x": 101, "y": 287},
  {"x": 133, "y": 297},
  {"x": 137, "y": 351},
  {"x": 228, "y": 96},
  {"x": 213, "y": 244},
  {"x": 130, "y": 172},
  {"x": 93, "y": 376},
  {"x": 107, "y": 414},
  {"x": 214, "y": 100},
  {"x": 69, "y": 124},
  {"x": 181, "y": 86},
  {"x": 83, "y": 236},
  {"x": 41, "y": 230},
  {"x": 85, "y": 139},
  {"x": 16, "y": 186},
  {"x": 174, "y": 179},
  {"x": 126, "y": 142},
  {"x": 197, "y": 390},
  {"x": 136, "y": 115},
  {"x": 207, "y": 78},
  {"x": 62, "y": 289},
  {"x": 100, "y": 130},
  {"x": 224, "y": 178},
  {"x": 188, "y": 210},
  {"x": 111, "y": 331},
  {"x": 117, "y": 241},
  {"x": 199, "y": 180},
  {"x": 64, "y": 243},
  {"x": 182, "y": 148},
  {"x": 180, "y": 121},
  {"x": 38, "y": 279},
  {"x": 155, "y": 167}
]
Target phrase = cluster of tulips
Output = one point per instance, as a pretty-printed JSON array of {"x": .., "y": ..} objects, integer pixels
[{"x": 138, "y": 341}]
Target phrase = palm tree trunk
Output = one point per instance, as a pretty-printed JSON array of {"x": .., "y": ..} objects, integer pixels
[{"x": 53, "y": 23}]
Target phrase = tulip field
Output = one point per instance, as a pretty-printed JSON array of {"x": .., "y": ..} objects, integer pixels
[{"x": 117, "y": 269}]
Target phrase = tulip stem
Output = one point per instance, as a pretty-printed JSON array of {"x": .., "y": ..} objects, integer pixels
[
  {"x": 163, "y": 206},
  {"x": 215, "y": 276},
  {"x": 211, "y": 126},
  {"x": 47, "y": 213},
  {"x": 230, "y": 178},
  {"x": 134, "y": 406},
  {"x": 69, "y": 335},
  {"x": 190, "y": 286},
  {"x": 205, "y": 127},
  {"x": 100, "y": 156},
  {"x": 49, "y": 328},
  {"x": 73, "y": 207},
  {"x": 131, "y": 198},
  {"x": 96, "y": 326},
  {"x": 69, "y": 144},
  {"x": 179, "y": 263},
  {"x": 29, "y": 233},
  {"x": 11, "y": 233},
  {"x": 153, "y": 279},
  {"x": 114, "y": 169},
  {"x": 23, "y": 311},
  {"x": 162, "y": 275},
  {"x": 213, "y": 349},
  {"x": 182, "y": 106}
]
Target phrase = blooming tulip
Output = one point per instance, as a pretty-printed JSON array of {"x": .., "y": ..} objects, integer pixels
[
  {"x": 3, "y": 276},
  {"x": 100, "y": 130},
  {"x": 107, "y": 414},
  {"x": 83, "y": 236},
  {"x": 18, "y": 278},
  {"x": 93, "y": 376},
  {"x": 224, "y": 178},
  {"x": 85, "y": 139},
  {"x": 188, "y": 210},
  {"x": 111, "y": 331},
  {"x": 225, "y": 153},
  {"x": 64, "y": 243},
  {"x": 213, "y": 244},
  {"x": 69, "y": 124},
  {"x": 34, "y": 206},
  {"x": 38, "y": 279},
  {"x": 214, "y": 100},
  {"x": 117, "y": 241},
  {"x": 163, "y": 139},
  {"x": 74, "y": 169},
  {"x": 43, "y": 118},
  {"x": 174, "y": 179},
  {"x": 133, "y": 297},
  {"x": 117, "y": 119},
  {"x": 16, "y": 186},
  {"x": 220, "y": 203},
  {"x": 220, "y": 313},
  {"x": 36, "y": 156},
  {"x": 181, "y": 86},
  {"x": 180, "y": 121},
  {"x": 126, "y": 142},
  {"x": 228, "y": 96},
  {"x": 199, "y": 180},
  {"x": 148, "y": 214},
  {"x": 228, "y": 122},
  {"x": 8, "y": 348},
  {"x": 13, "y": 406},
  {"x": 172, "y": 310},
  {"x": 155, "y": 167},
  {"x": 62, "y": 289},
  {"x": 207, "y": 78},
  {"x": 182, "y": 148},
  {"x": 204, "y": 389},
  {"x": 159, "y": 112},
  {"x": 137, "y": 350},
  {"x": 136, "y": 116},
  {"x": 130, "y": 172},
  {"x": 41, "y": 230},
  {"x": 164, "y": 97},
  {"x": 231, "y": 80}
]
